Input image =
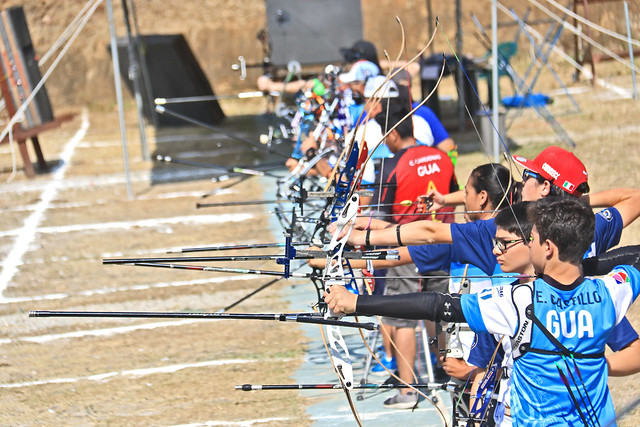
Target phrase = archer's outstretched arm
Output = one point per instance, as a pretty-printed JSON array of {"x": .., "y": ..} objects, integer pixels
[
  {"x": 415, "y": 233},
  {"x": 625, "y": 200},
  {"x": 421, "y": 305},
  {"x": 626, "y": 361},
  {"x": 403, "y": 252}
]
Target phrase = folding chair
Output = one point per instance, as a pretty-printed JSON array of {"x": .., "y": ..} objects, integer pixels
[{"x": 523, "y": 92}]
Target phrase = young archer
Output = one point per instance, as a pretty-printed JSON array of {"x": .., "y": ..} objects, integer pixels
[{"x": 569, "y": 318}]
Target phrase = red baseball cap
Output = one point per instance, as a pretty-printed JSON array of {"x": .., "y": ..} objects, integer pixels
[{"x": 558, "y": 166}]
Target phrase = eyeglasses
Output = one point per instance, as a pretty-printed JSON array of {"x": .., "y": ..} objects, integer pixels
[
  {"x": 501, "y": 244},
  {"x": 526, "y": 174}
]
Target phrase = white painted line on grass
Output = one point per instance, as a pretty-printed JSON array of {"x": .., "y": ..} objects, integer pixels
[
  {"x": 370, "y": 416},
  {"x": 70, "y": 205},
  {"x": 27, "y": 233}
]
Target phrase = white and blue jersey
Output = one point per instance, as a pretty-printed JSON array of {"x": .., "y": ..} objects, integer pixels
[{"x": 581, "y": 317}]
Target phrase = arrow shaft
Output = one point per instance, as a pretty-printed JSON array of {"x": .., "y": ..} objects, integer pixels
[
  {"x": 188, "y": 119},
  {"x": 299, "y": 254},
  {"x": 221, "y": 269},
  {"x": 236, "y": 247},
  {"x": 244, "y": 203},
  {"x": 430, "y": 386},
  {"x": 311, "y": 318}
]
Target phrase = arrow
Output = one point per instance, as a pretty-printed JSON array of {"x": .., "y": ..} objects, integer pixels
[
  {"x": 312, "y": 318},
  {"x": 391, "y": 255}
]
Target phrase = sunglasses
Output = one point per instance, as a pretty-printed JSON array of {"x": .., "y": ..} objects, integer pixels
[
  {"x": 501, "y": 244},
  {"x": 526, "y": 174}
]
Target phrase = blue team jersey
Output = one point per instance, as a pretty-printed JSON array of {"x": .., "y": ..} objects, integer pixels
[
  {"x": 580, "y": 316},
  {"x": 356, "y": 111},
  {"x": 472, "y": 243}
]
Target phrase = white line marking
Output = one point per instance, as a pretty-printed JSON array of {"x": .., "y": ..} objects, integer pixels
[
  {"x": 49, "y": 297},
  {"x": 135, "y": 373},
  {"x": 68, "y": 205},
  {"x": 28, "y": 231},
  {"x": 246, "y": 423},
  {"x": 105, "y": 332},
  {"x": 338, "y": 417},
  {"x": 125, "y": 225}
]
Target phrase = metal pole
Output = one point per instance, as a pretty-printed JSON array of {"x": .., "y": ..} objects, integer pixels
[
  {"x": 430, "y": 20},
  {"x": 116, "y": 77},
  {"x": 134, "y": 76},
  {"x": 633, "y": 70},
  {"x": 146, "y": 80},
  {"x": 462, "y": 84},
  {"x": 494, "y": 81}
]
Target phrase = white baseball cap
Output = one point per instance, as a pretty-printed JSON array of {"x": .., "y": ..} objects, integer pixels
[
  {"x": 388, "y": 89},
  {"x": 360, "y": 72}
]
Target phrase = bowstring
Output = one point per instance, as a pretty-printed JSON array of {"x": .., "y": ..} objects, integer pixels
[
  {"x": 375, "y": 101},
  {"x": 509, "y": 158},
  {"x": 508, "y": 155}
]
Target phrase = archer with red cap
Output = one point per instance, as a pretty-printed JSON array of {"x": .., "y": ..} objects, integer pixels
[{"x": 556, "y": 171}]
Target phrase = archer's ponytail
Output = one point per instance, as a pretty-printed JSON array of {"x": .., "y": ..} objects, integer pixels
[{"x": 496, "y": 180}]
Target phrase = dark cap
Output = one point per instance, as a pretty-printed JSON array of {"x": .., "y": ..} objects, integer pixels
[{"x": 361, "y": 49}]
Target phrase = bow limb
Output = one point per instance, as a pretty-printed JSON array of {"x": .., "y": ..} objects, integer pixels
[
  {"x": 376, "y": 99},
  {"x": 334, "y": 275}
]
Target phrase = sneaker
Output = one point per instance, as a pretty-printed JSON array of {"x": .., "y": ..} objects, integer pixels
[
  {"x": 402, "y": 401},
  {"x": 389, "y": 364},
  {"x": 393, "y": 380}
]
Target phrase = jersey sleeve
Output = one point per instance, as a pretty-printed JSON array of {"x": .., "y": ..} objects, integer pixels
[
  {"x": 431, "y": 257},
  {"x": 621, "y": 335},
  {"x": 608, "y": 230},
  {"x": 491, "y": 310},
  {"x": 437, "y": 128},
  {"x": 482, "y": 351},
  {"x": 369, "y": 174},
  {"x": 472, "y": 244},
  {"x": 623, "y": 284}
]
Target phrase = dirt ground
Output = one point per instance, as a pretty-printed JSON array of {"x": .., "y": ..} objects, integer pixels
[
  {"x": 62, "y": 269},
  {"x": 94, "y": 372},
  {"x": 57, "y": 228}
]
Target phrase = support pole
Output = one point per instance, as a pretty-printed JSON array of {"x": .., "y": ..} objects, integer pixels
[
  {"x": 116, "y": 77},
  {"x": 430, "y": 21},
  {"x": 134, "y": 76},
  {"x": 462, "y": 96},
  {"x": 494, "y": 81},
  {"x": 633, "y": 69}
]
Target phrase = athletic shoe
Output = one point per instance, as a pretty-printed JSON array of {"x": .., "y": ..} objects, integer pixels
[
  {"x": 402, "y": 401},
  {"x": 393, "y": 380},
  {"x": 389, "y": 364}
]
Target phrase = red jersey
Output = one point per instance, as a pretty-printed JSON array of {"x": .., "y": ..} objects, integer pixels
[{"x": 411, "y": 173}]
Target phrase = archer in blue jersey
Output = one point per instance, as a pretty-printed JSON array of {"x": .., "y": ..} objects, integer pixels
[{"x": 567, "y": 321}]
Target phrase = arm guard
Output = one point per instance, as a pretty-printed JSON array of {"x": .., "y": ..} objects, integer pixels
[
  {"x": 422, "y": 305},
  {"x": 604, "y": 263}
]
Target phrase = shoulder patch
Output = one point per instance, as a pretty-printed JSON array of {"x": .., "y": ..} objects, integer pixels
[
  {"x": 619, "y": 276},
  {"x": 606, "y": 214}
]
